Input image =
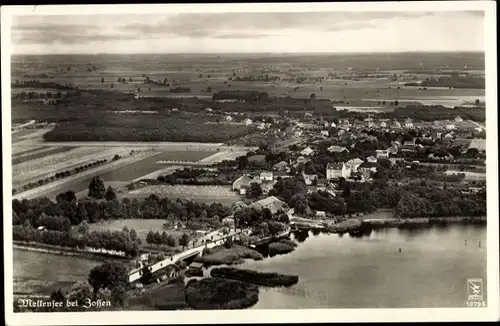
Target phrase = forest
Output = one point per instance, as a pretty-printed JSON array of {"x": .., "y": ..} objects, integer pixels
[{"x": 145, "y": 128}]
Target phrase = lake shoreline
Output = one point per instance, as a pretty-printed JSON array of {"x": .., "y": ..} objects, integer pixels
[
  {"x": 64, "y": 251},
  {"x": 359, "y": 224}
]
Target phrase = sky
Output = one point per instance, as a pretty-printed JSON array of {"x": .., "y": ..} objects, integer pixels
[{"x": 257, "y": 32}]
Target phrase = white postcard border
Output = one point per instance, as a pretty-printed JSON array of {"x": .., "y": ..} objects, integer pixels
[{"x": 264, "y": 316}]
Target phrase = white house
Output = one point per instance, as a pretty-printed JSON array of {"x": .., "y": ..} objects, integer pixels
[
  {"x": 382, "y": 153},
  {"x": 337, "y": 170},
  {"x": 261, "y": 126},
  {"x": 309, "y": 178},
  {"x": 307, "y": 151},
  {"x": 333, "y": 125},
  {"x": 354, "y": 164},
  {"x": 325, "y": 133},
  {"x": 383, "y": 124},
  {"x": 241, "y": 181},
  {"x": 459, "y": 119},
  {"x": 336, "y": 149},
  {"x": 247, "y": 122},
  {"x": 228, "y": 118},
  {"x": 266, "y": 176},
  {"x": 371, "y": 159},
  {"x": 409, "y": 124},
  {"x": 450, "y": 126}
]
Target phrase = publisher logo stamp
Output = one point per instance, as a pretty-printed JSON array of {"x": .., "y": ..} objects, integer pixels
[{"x": 475, "y": 289}]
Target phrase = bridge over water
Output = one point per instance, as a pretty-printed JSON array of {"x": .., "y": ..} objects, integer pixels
[{"x": 136, "y": 274}]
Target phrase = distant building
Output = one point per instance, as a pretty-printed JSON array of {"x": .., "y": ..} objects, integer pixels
[
  {"x": 392, "y": 150},
  {"x": 384, "y": 154},
  {"x": 325, "y": 133},
  {"x": 281, "y": 174},
  {"x": 336, "y": 170},
  {"x": 228, "y": 118},
  {"x": 266, "y": 176},
  {"x": 272, "y": 203},
  {"x": 367, "y": 169},
  {"x": 450, "y": 126},
  {"x": 371, "y": 159},
  {"x": 309, "y": 178},
  {"x": 333, "y": 125},
  {"x": 458, "y": 119},
  {"x": 241, "y": 181},
  {"x": 266, "y": 186},
  {"x": 409, "y": 124},
  {"x": 337, "y": 149},
  {"x": 307, "y": 151},
  {"x": 247, "y": 122},
  {"x": 281, "y": 166},
  {"x": 320, "y": 214},
  {"x": 353, "y": 164},
  {"x": 383, "y": 124}
]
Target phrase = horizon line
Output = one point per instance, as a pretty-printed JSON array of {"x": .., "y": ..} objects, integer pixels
[{"x": 247, "y": 53}]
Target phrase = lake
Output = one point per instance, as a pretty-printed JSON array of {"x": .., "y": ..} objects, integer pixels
[
  {"x": 342, "y": 271},
  {"x": 369, "y": 272}
]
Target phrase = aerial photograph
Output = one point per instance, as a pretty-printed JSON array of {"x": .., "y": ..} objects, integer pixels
[{"x": 248, "y": 160}]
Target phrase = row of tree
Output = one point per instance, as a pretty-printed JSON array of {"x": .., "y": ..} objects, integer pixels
[
  {"x": 163, "y": 238},
  {"x": 60, "y": 175},
  {"x": 92, "y": 210},
  {"x": 119, "y": 241}
]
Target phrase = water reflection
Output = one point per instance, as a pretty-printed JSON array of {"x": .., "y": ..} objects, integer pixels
[
  {"x": 301, "y": 236},
  {"x": 366, "y": 270}
]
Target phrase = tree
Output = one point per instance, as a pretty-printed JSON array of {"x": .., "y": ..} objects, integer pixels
[
  {"x": 102, "y": 80},
  {"x": 147, "y": 276},
  {"x": 96, "y": 188},
  {"x": 164, "y": 238},
  {"x": 476, "y": 102},
  {"x": 184, "y": 240},
  {"x": 107, "y": 275},
  {"x": 313, "y": 95},
  {"x": 171, "y": 241},
  {"x": 150, "y": 238},
  {"x": 58, "y": 295},
  {"x": 68, "y": 196},
  {"x": 255, "y": 190},
  {"x": 80, "y": 292},
  {"x": 396, "y": 102},
  {"x": 110, "y": 194},
  {"x": 133, "y": 235}
]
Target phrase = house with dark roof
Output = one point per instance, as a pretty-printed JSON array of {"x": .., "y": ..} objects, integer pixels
[{"x": 272, "y": 203}]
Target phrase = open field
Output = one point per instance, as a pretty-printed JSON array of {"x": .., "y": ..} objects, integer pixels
[
  {"x": 20, "y": 152},
  {"x": 478, "y": 143},
  {"x": 149, "y": 165},
  {"x": 79, "y": 181},
  {"x": 142, "y": 227},
  {"x": 206, "y": 194},
  {"x": 163, "y": 145},
  {"x": 37, "y": 272},
  {"x": 24, "y": 136},
  {"x": 222, "y": 156},
  {"x": 49, "y": 165},
  {"x": 155, "y": 174},
  {"x": 44, "y": 151}
]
